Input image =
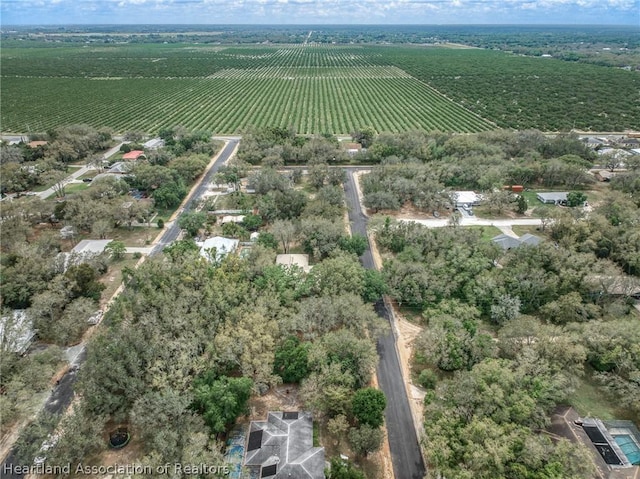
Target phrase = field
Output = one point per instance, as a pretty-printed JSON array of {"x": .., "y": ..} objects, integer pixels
[
  {"x": 522, "y": 92},
  {"x": 314, "y": 88}
]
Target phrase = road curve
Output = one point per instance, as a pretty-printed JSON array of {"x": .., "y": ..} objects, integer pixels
[{"x": 403, "y": 440}]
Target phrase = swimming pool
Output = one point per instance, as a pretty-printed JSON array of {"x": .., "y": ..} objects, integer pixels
[{"x": 629, "y": 447}]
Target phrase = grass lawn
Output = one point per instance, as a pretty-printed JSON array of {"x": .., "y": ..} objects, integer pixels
[
  {"x": 70, "y": 170},
  {"x": 41, "y": 187},
  {"x": 72, "y": 188},
  {"x": 488, "y": 232},
  {"x": 164, "y": 215},
  {"x": 89, "y": 174},
  {"x": 137, "y": 236},
  {"x": 590, "y": 400},
  {"x": 113, "y": 277},
  {"x": 524, "y": 229}
]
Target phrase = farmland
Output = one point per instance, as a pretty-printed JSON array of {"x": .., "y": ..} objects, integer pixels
[{"x": 314, "y": 88}]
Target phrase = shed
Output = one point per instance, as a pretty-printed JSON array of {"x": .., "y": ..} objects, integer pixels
[
  {"x": 553, "y": 197},
  {"x": 352, "y": 148}
]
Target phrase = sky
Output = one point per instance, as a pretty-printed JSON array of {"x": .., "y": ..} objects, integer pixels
[{"x": 45, "y": 12}]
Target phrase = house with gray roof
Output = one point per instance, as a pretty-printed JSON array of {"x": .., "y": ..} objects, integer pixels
[
  {"x": 553, "y": 197},
  {"x": 282, "y": 447},
  {"x": 507, "y": 242},
  {"x": 154, "y": 144}
]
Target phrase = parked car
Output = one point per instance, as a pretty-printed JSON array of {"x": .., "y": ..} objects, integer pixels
[{"x": 87, "y": 180}]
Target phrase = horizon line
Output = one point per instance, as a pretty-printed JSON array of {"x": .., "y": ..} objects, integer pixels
[{"x": 2, "y": 27}]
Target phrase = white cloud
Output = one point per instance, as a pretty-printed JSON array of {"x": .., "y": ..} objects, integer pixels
[{"x": 318, "y": 11}]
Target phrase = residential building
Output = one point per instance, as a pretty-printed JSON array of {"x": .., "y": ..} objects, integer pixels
[
  {"x": 134, "y": 155},
  {"x": 465, "y": 198},
  {"x": 300, "y": 260},
  {"x": 221, "y": 245},
  {"x": 507, "y": 242},
  {"x": 281, "y": 447},
  {"x": 553, "y": 197},
  {"x": 154, "y": 144}
]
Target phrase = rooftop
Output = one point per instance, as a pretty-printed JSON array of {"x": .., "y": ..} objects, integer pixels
[
  {"x": 466, "y": 197},
  {"x": 552, "y": 196},
  {"x": 565, "y": 423},
  {"x": 154, "y": 143},
  {"x": 16, "y": 332},
  {"x": 133, "y": 155},
  {"x": 282, "y": 447},
  {"x": 119, "y": 168},
  {"x": 91, "y": 246},
  {"x": 301, "y": 260},
  {"x": 223, "y": 246},
  {"x": 507, "y": 242}
]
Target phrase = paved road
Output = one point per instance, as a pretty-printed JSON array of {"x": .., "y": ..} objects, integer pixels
[
  {"x": 77, "y": 174},
  {"x": 62, "y": 395},
  {"x": 58, "y": 402},
  {"x": 403, "y": 441},
  {"x": 172, "y": 231},
  {"x": 475, "y": 221}
]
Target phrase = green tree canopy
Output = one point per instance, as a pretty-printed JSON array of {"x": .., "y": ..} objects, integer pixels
[{"x": 368, "y": 406}]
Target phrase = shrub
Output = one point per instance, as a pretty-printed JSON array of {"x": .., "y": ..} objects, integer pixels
[{"x": 428, "y": 379}]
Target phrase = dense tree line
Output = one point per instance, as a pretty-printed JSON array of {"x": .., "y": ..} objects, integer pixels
[
  {"x": 189, "y": 340},
  {"x": 517, "y": 338},
  {"x": 419, "y": 168},
  {"x": 23, "y": 167}
]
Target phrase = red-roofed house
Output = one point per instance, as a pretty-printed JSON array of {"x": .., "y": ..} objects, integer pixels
[{"x": 133, "y": 155}]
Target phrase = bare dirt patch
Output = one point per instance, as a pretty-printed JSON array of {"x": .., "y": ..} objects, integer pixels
[{"x": 280, "y": 398}]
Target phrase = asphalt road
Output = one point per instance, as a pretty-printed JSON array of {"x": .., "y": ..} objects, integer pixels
[
  {"x": 403, "y": 441},
  {"x": 172, "y": 232},
  {"x": 58, "y": 402},
  {"x": 62, "y": 395}
]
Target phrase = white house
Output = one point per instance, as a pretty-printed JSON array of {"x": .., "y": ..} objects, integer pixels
[
  {"x": 469, "y": 198},
  {"x": 300, "y": 260},
  {"x": 154, "y": 144},
  {"x": 223, "y": 246}
]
